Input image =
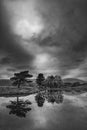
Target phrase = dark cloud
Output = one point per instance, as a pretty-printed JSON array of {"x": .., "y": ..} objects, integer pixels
[
  {"x": 15, "y": 54},
  {"x": 69, "y": 34},
  {"x": 5, "y": 61},
  {"x": 64, "y": 37}
]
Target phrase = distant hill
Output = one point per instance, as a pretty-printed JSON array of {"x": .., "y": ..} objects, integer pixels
[
  {"x": 73, "y": 80},
  {"x": 5, "y": 82}
]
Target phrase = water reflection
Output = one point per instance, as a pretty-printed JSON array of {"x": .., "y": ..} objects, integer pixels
[
  {"x": 52, "y": 116},
  {"x": 55, "y": 98},
  {"x": 40, "y": 99},
  {"x": 50, "y": 96},
  {"x": 19, "y": 107}
]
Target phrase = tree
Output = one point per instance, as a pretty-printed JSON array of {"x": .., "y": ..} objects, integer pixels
[
  {"x": 58, "y": 81},
  {"x": 40, "y": 80},
  {"x": 20, "y": 78},
  {"x": 54, "y": 83},
  {"x": 50, "y": 81}
]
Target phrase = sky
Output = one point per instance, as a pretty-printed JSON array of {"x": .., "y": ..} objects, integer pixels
[{"x": 43, "y": 36}]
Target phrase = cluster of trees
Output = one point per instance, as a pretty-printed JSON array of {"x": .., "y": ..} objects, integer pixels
[
  {"x": 54, "y": 82},
  {"x": 41, "y": 81},
  {"x": 51, "y": 83},
  {"x": 49, "y": 88}
]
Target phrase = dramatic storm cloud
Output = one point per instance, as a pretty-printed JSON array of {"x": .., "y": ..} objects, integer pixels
[{"x": 48, "y": 36}]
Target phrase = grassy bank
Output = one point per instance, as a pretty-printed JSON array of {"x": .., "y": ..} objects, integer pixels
[
  {"x": 7, "y": 91},
  {"x": 13, "y": 91}
]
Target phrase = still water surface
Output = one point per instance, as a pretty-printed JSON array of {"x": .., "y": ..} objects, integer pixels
[{"x": 69, "y": 115}]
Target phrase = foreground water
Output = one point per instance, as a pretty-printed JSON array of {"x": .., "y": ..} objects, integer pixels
[{"x": 69, "y": 115}]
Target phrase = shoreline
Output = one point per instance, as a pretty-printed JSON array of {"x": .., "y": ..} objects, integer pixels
[
  {"x": 12, "y": 91},
  {"x": 14, "y": 94}
]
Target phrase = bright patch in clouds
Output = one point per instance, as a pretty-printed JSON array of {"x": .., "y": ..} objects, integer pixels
[
  {"x": 45, "y": 63},
  {"x": 26, "y": 29},
  {"x": 24, "y": 19},
  {"x": 41, "y": 61}
]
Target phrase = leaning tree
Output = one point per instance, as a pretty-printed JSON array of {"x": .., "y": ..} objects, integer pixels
[{"x": 21, "y": 78}]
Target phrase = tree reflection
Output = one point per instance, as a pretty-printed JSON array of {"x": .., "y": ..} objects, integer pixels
[
  {"x": 55, "y": 97},
  {"x": 51, "y": 97},
  {"x": 40, "y": 99},
  {"x": 54, "y": 89},
  {"x": 19, "y": 107}
]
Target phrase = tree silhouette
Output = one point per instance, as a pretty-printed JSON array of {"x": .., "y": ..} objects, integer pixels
[
  {"x": 54, "y": 83},
  {"x": 20, "y": 78},
  {"x": 50, "y": 82},
  {"x": 40, "y": 80},
  {"x": 54, "y": 89},
  {"x": 19, "y": 107}
]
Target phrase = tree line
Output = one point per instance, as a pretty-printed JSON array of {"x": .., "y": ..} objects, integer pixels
[{"x": 49, "y": 83}]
